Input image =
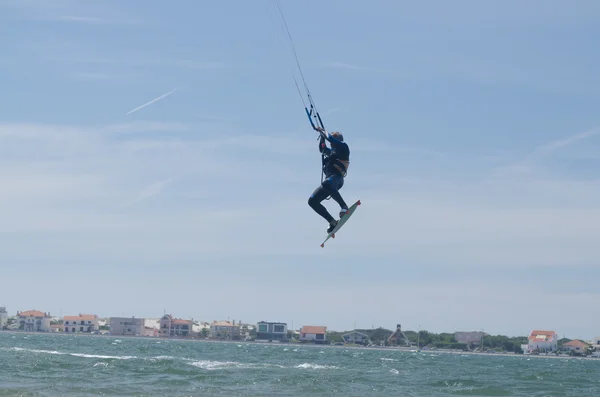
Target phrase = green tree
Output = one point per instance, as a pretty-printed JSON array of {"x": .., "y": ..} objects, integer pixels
[{"x": 334, "y": 336}]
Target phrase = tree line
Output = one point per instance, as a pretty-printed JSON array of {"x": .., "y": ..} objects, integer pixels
[{"x": 379, "y": 336}]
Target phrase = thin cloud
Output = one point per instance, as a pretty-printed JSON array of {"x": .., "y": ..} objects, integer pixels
[
  {"x": 92, "y": 76},
  {"x": 191, "y": 64},
  {"x": 73, "y": 18},
  {"x": 527, "y": 163},
  {"x": 149, "y": 191},
  {"x": 342, "y": 65},
  {"x": 151, "y": 102},
  {"x": 370, "y": 69},
  {"x": 554, "y": 146},
  {"x": 331, "y": 111}
]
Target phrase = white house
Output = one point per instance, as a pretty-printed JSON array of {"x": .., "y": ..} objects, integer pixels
[
  {"x": 355, "y": 337},
  {"x": 543, "y": 341},
  {"x": 271, "y": 331},
  {"x": 170, "y": 326},
  {"x": 81, "y": 323},
  {"x": 576, "y": 346},
  {"x": 596, "y": 346},
  {"x": 3, "y": 317},
  {"x": 34, "y": 321},
  {"x": 127, "y": 326},
  {"x": 313, "y": 333},
  {"x": 224, "y": 330}
]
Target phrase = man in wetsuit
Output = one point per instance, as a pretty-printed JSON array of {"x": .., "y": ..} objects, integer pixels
[{"x": 335, "y": 166}]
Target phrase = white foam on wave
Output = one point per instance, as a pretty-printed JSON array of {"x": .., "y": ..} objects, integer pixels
[
  {"x": 315, "y": 366},
  {"x": 394, "y": 371},
  {"x": 388, "y": 359},
  {"x": 166, "y": 358},
  {"x": 211, "y": 365},
  {"x": 73, "y": 354}
]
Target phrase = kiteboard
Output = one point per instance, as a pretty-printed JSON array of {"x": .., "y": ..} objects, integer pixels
[{"x": 341, "y": 222}]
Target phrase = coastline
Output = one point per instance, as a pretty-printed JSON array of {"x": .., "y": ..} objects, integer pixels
[{"x": 309, "y": 345}]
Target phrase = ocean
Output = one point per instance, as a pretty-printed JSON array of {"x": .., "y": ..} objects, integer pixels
[{"x": 73, "y": 365}]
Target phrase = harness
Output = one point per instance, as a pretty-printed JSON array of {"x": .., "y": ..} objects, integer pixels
[{"x": 340, "y": 165}]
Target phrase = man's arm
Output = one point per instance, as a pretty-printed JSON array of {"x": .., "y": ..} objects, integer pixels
[
  {"x": 332, "y": 140},
  {"x": 322, "y": 146}
]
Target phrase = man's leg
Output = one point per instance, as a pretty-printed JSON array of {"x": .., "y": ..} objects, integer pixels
[
  {"x": 333, "y": 184},
  {"x": 314, "y": 201}
]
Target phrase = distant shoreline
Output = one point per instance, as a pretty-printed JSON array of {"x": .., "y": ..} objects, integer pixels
[{"x": 311, "y": 345}]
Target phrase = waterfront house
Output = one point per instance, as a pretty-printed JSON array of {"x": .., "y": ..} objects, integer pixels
[
  {"x": 34, "y": 321},
  {"x": 596, "y": 346},
  {"x": 225, "y": 330},
  {"x": 170, "y": 326},
  {"x": 356, "y": 337},
  {"x": 398, "y": 337},
  {"x": 81, "y": 323},
  {"x": 313, "y": 333},
  {"x": 3, "y": 317},
  {"x": 271, "y": 331},
  {"x": 542, "y": 341},
  {"x": 150, "y": 332},
  {"x": 127, "y": 326},
  {"x": 576, "y": 346}
]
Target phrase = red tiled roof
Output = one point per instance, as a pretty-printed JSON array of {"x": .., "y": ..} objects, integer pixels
[
  {"x": 313, "y": 329},
  {"x": 32, "y": 313},
  {"x": 81, "y": 317},
  {"x": 541, "y": 336},
  {"x": 576, "y": 343}
]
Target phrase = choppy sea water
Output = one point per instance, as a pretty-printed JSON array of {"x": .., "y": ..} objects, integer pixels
[{"x": 67, "y": 365}]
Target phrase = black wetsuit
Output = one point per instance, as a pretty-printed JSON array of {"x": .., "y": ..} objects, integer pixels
[{"x": 335, "y": 167}]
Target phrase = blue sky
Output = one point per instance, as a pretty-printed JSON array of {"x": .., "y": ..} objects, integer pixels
[{"x": 474, "y": 133}]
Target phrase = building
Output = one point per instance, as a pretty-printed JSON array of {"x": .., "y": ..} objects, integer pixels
[
  {"x": 127, "y": 326},
  {"x": 271, "y": 331},
  {"x": 3, "y": 317},
  {"x": 150, "y": 331},
  {"x": 356, "y": 337},
  {"x": 225, "y": 330},
  {"x": 81, "y": 323},
  {"x": 542, "y": 341},
  {"x": 57, "y": 328},
  {"x": 398, "y": 337},
  {"x": 313, "y": 333},
  {"x": 170, "y": 326},
  {"x": 34, "y": 321},
  {"x": 576, "y": 346},
  {"x": 596, "y": 346}
]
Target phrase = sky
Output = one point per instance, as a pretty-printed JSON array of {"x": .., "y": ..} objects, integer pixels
[{"x": 474, "y": 134}]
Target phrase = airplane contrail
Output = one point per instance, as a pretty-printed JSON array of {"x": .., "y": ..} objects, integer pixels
[{"x": 151, "y": 102}]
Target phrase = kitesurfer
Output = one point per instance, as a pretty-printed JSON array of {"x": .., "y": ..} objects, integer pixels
[{"x": 335, "y": 167}]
